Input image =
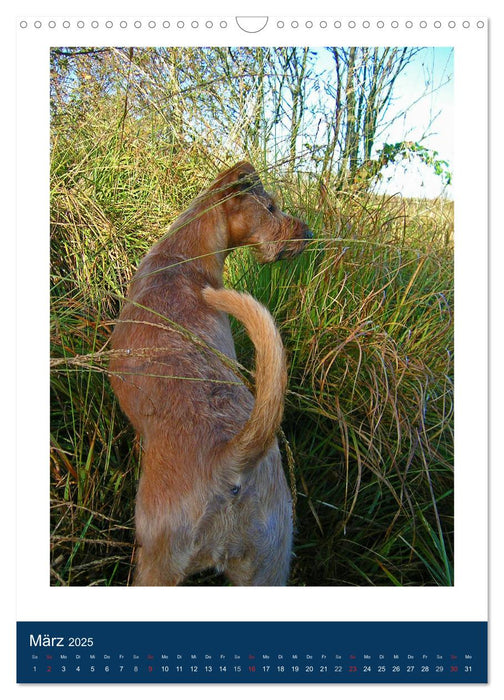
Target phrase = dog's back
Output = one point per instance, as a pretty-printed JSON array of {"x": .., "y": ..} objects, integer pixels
[
  {"x": 211, "y": 471},
  {"x": 212, "y": 491}
]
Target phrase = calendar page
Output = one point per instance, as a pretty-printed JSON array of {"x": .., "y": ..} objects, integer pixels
[{"x": 253, "y": 260}]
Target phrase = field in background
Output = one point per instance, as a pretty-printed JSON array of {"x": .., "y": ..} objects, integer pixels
[{"x": 366, "y": 315}]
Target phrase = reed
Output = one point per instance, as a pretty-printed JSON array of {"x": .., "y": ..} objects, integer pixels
[{"x": 366, "y": 315}]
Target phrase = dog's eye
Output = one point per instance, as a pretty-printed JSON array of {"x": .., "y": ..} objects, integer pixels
[{"x": 271, "y": 208}]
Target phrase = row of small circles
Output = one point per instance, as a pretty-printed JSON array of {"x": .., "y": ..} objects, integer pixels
[{"x": 280, "y": 24}]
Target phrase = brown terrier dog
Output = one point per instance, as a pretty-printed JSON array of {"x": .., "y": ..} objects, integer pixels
[{"x": 212, "y": 493}]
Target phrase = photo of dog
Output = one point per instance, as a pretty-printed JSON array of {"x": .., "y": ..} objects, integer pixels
[
  {"x": 168, "y": 382},
  {"x": 212, "y": 492}
]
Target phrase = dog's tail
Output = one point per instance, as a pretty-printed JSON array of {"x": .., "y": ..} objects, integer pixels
[{"x": 258, "y": 433}]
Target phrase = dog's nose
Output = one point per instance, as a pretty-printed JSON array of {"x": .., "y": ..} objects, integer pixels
[{"x": 308, "y": 234}]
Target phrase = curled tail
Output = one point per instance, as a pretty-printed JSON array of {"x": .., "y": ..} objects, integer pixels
[{"x": 256, "y": 436}]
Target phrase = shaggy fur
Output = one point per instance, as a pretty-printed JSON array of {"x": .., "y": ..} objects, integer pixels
[{"x": 212, "y": 493}]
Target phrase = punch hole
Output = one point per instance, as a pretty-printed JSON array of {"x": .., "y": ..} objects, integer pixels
[
  {"x": 23, "y": 24},
  {"x": 51, "y": 24},
  {"x": 252, "y": 25}
]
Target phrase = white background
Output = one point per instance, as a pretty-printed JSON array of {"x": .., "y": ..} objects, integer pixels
[
  {"x": 36, "y": 600},
  {"x": 467, "y": 599}
]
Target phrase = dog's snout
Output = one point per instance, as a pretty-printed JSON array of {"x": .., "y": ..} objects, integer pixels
[{"x": 308, "y": 234}]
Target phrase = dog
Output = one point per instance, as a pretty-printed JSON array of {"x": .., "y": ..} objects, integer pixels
[{"x": 212, "y": 492}]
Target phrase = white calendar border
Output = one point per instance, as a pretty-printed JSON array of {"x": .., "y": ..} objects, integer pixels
[{"x": 467, "y": 600}]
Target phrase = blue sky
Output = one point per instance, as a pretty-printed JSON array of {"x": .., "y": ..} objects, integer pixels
[
  {"x": 424, "y": 99},
  {"x": 421, "y": 111}
]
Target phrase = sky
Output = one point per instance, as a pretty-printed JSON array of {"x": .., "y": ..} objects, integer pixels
[
  {"x": 429, "y": 120},
  {"x": 421, "y": 111}
]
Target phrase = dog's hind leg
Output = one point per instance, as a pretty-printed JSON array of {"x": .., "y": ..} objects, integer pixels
[
  {"x": 163, "y": 536},
  {"x": 267, "y": 557},
  {"x": 272, "y": 570},
  {"x": 151, "y": 570}
]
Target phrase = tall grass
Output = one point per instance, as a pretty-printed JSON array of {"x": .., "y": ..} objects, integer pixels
[
  {"x": 368, "y": 329},
  {"x": 366, "y": 314}
]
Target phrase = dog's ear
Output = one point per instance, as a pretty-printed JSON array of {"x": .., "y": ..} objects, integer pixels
[
  {"x": 241, "y": 169},
  {"x": 240, "y": 179},
  {"x": 247, "y": 180}
]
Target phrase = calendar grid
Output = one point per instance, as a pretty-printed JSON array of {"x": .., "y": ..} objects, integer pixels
[{"x": 252, "y": 652}]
